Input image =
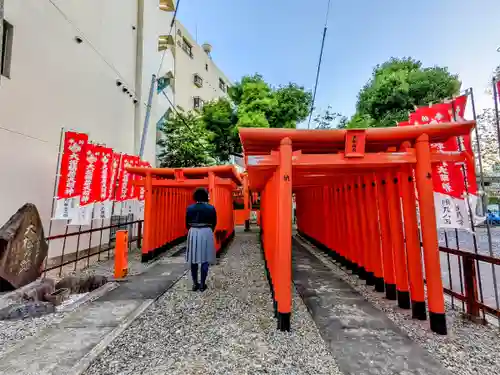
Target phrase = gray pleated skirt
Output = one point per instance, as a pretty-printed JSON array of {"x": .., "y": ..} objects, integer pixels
[{"x": 200, "y": 246}]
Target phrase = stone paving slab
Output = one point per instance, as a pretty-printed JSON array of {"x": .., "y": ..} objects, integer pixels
[
  {"x": 149, "y": 285},
  {"x": 360, "y": 337},
  {"x": 100, "y": 314},
  {"x": 69, "y": 346},
  {"x": 55, "y": 351}
]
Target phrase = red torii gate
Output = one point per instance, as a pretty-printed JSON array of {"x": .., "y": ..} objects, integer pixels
[
  {"x": 168, "y": 192},
  {"x": 348, "y": 183}
]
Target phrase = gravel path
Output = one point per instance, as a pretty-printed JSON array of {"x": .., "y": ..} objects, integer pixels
[
  {"x": 468, "y": 349},
  {"x": 14, "y": 331},
  {"x": 229, "y": 329}
]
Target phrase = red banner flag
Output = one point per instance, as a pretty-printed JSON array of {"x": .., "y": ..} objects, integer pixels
[
  {"x": 141, "y": 192},
  {"x": 124, "y": 178},
  {"x": 115, "y": 171},
  {"x": 498, "y": 90},
  {"x": 421, "y": 116},
  {"x": 132, "y": 189},
  {"x": 90, "y": 184},
  {"x": 71, "y": 169},
  {"x": 104, "y": 171}
]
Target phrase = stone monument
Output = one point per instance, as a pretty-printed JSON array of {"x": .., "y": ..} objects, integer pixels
[{"x": 22, "y": 248}]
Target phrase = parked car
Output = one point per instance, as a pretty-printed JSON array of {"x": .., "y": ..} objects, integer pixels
[{"x": 493, "y": 218}]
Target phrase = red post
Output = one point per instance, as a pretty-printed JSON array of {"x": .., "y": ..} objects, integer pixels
[
  {"x": 148, "y": 218},
  {"x": 435, "y": 295},
  {"x": 385, "y": 232},
  {"x": 373, "y": 222},
  {"x": 397, "y": 237},
  {"x": 284, "y": 292},
  {"x": 413, "y": 251}
]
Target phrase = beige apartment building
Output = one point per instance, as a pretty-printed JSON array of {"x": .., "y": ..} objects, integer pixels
[{"x": 193, "y": 64}]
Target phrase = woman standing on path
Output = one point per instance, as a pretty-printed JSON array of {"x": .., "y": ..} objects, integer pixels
[{"x": 201, "y": 220}]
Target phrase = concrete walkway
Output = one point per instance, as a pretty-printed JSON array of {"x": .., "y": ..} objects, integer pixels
[
  {"x": 361, "y": 338},
  {"x": 69, "y": 346}
]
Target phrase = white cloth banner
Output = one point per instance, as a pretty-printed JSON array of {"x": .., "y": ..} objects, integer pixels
[
  {"x": 140, "y": 211},
  {"x": 66, "y": 208},
  {"x": 103, "y": 210},
  {"x": 451, "y": 213},
  {"x": 454, "y": 212},
  {"x": 83, "y": 216}
]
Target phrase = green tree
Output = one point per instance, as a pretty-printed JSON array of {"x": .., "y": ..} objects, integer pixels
[
  {"x": 185, "y": 142},
  {"x": 291, "y": 105},
  {"x": 397, "y": 87},
  {"x": 220, "y": 119},
  {"x": 254, "y": 103},
  {"x": 330, "y": 120}
]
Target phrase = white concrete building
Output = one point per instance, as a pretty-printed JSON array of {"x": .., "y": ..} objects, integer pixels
[{"x": 86, "y": 66}]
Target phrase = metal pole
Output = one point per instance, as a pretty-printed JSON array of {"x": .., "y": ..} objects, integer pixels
[
  {"x": 497, "y": 117},
  {"x": 56, "y": 180},
  {"x": 484, "y": 206},
  {"x": 319, "y": 64},
  {"x": 148, "y": 115}
]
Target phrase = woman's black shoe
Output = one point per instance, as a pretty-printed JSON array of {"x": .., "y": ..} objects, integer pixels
[{"x": 196, "y": 287}]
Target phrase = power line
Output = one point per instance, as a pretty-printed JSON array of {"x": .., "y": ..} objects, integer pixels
[
  {"x": 179, "y": 115},
  {"x": 83, "y": 36},
  {"x": 319, "y": 63}
]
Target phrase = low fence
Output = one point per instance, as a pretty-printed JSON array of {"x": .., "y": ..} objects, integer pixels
[
  {"x": 470, "y": 276},
  {"x": 87, "y": 246}
]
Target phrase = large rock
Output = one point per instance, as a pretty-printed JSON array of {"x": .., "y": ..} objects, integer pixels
[
  {"x": 22, "y": 248},
  {"x": 81, "y": 284}
]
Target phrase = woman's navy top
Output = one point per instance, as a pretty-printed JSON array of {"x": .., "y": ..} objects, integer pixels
[{"x": 200, "y": 215}]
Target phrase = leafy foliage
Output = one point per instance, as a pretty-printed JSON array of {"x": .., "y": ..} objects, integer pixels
[
  {"x": 397, "y": 87},
  {"x": 220, "y": 121},
  {"x": 330, "y": 120},
  {"x": 185, "y": 142},
  {"x": 254, "y": 104}
]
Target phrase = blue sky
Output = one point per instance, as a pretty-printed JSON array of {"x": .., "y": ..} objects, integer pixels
[{"x": 281, "y": 40}]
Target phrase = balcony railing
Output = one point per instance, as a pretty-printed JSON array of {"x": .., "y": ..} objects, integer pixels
[{"x": 167, "y": 5}]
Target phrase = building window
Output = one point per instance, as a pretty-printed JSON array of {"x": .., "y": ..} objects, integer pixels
[
  {"x": 7, "y": 41},
  {"x": 198, "y": 81},
  {"x": 206, "y": 67},
  {"x": 187, "y": 47},
  {"x": 197, "y": 103},
  {"x": 222, "y": 85}
]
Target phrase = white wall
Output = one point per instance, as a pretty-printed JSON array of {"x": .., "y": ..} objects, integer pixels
[{"x": 56, "y": 82}]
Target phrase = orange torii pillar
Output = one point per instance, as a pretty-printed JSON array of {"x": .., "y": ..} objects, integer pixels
[
  {"x": 284, "y": 250},
  {"x": 246, "y": 200},
  {"x": 435, "y": 295}
]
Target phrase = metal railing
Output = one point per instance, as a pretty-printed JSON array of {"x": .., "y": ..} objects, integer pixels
[
  {"x": 470, "y": 276},
  {"x": 106, "y": 236}
]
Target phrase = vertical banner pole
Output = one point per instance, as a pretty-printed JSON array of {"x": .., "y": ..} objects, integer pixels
[{"x": 56, "y": 176}]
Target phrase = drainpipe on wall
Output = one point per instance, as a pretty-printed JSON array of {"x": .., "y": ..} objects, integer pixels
[{"x": 139, "y": 62}]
